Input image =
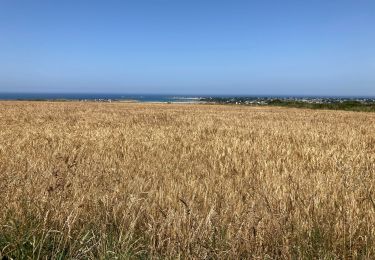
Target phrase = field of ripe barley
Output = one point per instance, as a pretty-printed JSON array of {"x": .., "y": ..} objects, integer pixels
[{"x": 95, "y": 180}]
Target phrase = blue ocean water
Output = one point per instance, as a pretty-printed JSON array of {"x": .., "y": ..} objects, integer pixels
[
  {"x": 140, "y": 97},
  {"x": 97, "y": 96}
]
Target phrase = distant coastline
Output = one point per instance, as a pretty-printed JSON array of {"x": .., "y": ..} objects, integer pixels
[
  {"x": 83, "y": 97},
  {"x": 334, "y": 103}
]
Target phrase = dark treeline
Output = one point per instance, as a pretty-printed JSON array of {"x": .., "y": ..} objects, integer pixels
[{"x": 350, "y": 104}]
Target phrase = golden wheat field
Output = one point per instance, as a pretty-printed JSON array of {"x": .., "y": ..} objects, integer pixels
[{"x": 95, "y": 180}]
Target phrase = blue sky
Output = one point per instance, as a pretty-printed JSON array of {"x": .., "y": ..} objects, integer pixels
[{"x": 307, "y": 47}]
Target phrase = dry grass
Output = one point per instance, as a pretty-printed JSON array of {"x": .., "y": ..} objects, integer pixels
[{"x": 185, "y": 181}]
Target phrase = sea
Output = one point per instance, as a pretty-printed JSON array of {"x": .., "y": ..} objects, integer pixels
[
  {"x": 99, "y": 96},
  {"x": 140, "y": 97}
]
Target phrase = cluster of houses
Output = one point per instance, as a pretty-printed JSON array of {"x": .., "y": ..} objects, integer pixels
[{"x": 273, "y": 100}]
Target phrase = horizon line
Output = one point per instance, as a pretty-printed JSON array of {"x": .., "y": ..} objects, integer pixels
[{"x": 182, "y": 94}]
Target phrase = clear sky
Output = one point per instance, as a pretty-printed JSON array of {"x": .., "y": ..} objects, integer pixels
[{"x": 314, "y": 47}]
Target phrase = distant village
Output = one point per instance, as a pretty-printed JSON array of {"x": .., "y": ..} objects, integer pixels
[{"x": 277, "y": 100}]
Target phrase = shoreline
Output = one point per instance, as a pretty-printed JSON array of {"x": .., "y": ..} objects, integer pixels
[
  {"x": 104, "y": 101},
  {"x": 338, "y": 106}
]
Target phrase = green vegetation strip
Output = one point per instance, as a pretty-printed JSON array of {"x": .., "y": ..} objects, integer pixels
[{"x": 345, "y": 105}]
